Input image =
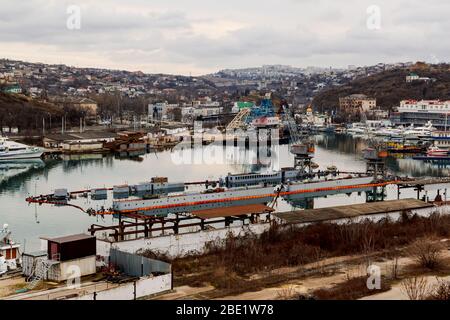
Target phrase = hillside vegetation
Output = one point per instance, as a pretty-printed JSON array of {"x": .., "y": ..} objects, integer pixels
[
  {"x": 390, "y": 87},
  {"x": 26, "y": 113}
]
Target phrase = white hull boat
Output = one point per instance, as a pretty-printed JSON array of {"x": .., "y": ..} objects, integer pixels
[{"x": 10, "y": 150}]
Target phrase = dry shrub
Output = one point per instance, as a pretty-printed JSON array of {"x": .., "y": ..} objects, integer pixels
[
  {"x": 415, "y": 288},
  {"x": 221, "y": 278},
  {"x": 290, "y": 246},
  {"x": 351, "y": 289},
  {"x": 287, "y": 293},
  {"x": 441, "y": 291},
  {"x": 427, "y": 253}
]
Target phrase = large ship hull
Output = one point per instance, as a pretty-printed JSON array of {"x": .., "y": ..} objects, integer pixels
[
  {"x": 234, "y": 197},
  {"x": 330, "y": 184}
]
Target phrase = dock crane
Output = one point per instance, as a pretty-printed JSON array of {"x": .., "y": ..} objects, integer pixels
[
  {"x": 239, "y": 121},
  {"x": 303, "y": 151}
]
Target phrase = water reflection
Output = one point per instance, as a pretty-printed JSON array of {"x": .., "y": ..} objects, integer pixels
[
  {"x": 14, "y": 173},
  {"x": 399, "y": 164},
  {"x": 341, "y": 143},
  {"x": 20, "y": 179}
]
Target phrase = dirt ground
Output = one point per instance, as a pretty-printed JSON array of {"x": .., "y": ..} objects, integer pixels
[
  {"x": 396, "y": 293},
  {"x": 9, "y": 286},
  {"x": 319, "y": 275}
]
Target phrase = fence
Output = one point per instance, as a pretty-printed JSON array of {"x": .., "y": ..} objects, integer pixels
[
  {"x": 137, "y": 266},
  {"x": 132, "y": 290}
]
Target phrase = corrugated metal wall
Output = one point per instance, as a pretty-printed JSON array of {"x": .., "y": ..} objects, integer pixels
[{"x": 137, "y": 266}]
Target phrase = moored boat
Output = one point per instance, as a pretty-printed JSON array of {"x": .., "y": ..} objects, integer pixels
[
  {"x": 437, "y": 152},
  {"x": 10, "y": 150},
  {"x": 10, "y": 258}
]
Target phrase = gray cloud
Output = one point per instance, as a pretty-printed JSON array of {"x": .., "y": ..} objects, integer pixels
[{"x": 202, "y": 36}]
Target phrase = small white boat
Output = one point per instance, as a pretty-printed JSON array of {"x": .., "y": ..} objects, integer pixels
[
  {"x": 10, "y": 150},
  {"x": 437, "y": 152},
  {"x": 10, "y": 257},
  {"x": 357, "y": 130},
  {"x": 389, "y": 132}
]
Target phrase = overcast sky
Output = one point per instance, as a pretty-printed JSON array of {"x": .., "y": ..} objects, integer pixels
[{"x": 202, "y": 36}]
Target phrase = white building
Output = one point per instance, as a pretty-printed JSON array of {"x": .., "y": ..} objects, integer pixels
[
  {"x": 429, "y": 106},
  {"x": 415, "y": 77},
  {"x": 421, "y": 112},
  {"x": 412, "y": 77}
]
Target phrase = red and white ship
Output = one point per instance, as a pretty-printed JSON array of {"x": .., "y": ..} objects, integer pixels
[{"x": 437, "y": 152}]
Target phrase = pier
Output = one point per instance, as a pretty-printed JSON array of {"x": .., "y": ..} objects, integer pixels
[
  {"x": 200, "y": 220},
  {"x": 351, "y": 211},
  {"x": 439, "y": 184}
]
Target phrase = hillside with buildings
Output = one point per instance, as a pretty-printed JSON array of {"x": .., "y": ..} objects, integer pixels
[{"x": 417, "y": 82}]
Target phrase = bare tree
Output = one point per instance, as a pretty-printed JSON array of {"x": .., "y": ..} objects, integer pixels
[{"x": 394, "y": 268}]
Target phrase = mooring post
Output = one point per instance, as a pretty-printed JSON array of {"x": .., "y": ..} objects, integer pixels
[
  {"x": 146, "y": 228},
  {"x": 175, "y": 224},
  {"x": 202, "y": 224},
  {"x": 150, "y": 226},
  {"x": 121, "y": 230}
]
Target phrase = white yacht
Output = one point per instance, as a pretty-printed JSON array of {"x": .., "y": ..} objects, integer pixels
[
  {"x": 357, "y": 129},
  {"x": 419, "y": 132},
  {"x": 10, "y": 150},
  {"x": 389, "y": 132}
]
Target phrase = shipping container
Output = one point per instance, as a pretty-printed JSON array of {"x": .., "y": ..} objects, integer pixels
[
  {"x": 121, "y": 189},
  {"x": 99, "y": 194},
  {"x": 61, "y": 194}
]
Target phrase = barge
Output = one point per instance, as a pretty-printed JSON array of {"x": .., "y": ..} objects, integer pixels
[{"x": 259, "y": 194}]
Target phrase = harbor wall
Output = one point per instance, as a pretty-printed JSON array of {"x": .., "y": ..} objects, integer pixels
[
  {"x": 144, "y": 287},
  {"x": 181, "y": 244}
]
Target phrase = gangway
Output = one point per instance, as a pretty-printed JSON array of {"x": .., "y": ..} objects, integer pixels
[{"x": 40, "y": 272}]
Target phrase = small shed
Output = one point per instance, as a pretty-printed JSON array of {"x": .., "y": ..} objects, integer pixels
[
  {"x": 29, "y": 261},
  {"x": 71, "y": 247},
  {"x": 63, "y": 254}
]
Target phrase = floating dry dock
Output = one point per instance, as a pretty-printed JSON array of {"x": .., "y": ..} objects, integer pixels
[{"x": 352, "y": 211}]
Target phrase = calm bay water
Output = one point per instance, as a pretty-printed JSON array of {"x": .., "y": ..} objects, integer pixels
[{"x": 29, "y": 222}]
